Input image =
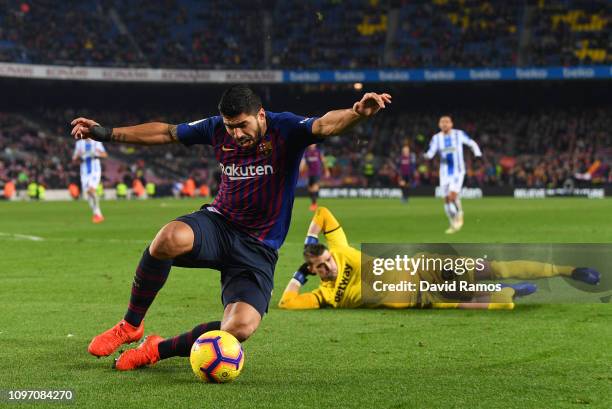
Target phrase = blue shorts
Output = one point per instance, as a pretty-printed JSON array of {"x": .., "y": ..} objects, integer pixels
[{"x": 246, "y": 264}]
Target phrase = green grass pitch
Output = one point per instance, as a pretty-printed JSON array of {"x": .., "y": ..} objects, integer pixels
[{"x": 56, "y": 293}]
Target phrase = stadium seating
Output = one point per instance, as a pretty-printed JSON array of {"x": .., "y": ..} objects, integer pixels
[
  {"x": 193, "y": 34},
  {"x": 313, "y": 34},
  {"x": 74, "y": 33},
  {"x": 338, "y": 34},
  {"x": 29, "y": 154},
  {"x": 462, "y": 34},
  {"x": 569, "y": 32}
]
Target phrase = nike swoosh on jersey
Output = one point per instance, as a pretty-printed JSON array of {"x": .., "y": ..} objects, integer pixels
[{"x": 224, "y": 149}]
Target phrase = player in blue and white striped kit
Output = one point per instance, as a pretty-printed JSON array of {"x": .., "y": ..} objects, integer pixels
[
  {"x": 89, "y": 153},
  {"x": 449, "y": 145}
]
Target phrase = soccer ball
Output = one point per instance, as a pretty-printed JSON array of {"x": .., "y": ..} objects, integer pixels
[{"x": 216, "y": 356}]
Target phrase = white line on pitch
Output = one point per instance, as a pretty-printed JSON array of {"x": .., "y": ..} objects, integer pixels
[
  {"x": 11, "y": 236},
  {"x": 21, "y": 236}
]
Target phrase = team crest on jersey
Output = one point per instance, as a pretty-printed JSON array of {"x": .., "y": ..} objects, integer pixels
[{"x": 265, "y": 148}]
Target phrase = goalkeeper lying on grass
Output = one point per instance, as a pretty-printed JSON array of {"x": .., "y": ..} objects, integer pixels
[{"x": 339, "y": 271}]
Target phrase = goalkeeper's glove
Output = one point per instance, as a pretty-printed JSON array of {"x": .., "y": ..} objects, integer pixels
[
  {"x": 302, "y": 273},
  {"x": 101, "y": 133}
]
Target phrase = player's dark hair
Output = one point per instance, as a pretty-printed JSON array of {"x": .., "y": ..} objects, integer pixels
[
  {"x": 314, "y": 250},
  {"x": 449, "y": 116},
  {"x": 239, "y": 99}
]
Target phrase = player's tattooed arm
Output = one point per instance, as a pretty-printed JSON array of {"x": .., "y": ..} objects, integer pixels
[
  {"x": 336, "y": 122},
  {"x": 118, "y": 136},
  {"x": 172, "y": 132},
  {"x": 343, "y": 120},
  {"x": 152, "y": 133}
]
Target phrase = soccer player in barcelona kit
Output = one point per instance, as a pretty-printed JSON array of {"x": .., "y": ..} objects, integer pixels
[
  {"x": 259, "y": 153},
  {"x": 315, "y": 165},
  {"x": 404, "y": 167},
  {"x": 449, "y": 145},
  {"x": 89, "y": 153},
  {"x": 339, "y": 269}
]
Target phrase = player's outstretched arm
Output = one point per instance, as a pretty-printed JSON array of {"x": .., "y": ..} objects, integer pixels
[
  {"x": 292, "y": 299},
  {"x": 312, "y": 236},
  {"x": 342, "y": 120},
  {"x": 153, "y": 133},
  {"x": 466, "y": 140},
  {"x": 324, "y": 221}
]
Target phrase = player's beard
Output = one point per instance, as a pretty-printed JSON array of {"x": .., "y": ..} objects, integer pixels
[{"x": 249, "y": 141}]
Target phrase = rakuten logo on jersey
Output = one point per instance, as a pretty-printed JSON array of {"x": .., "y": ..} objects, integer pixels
[{"x": 246, "y": 172}]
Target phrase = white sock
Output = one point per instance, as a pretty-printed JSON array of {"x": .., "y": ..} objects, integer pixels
[
  {"x": 96, "y": 208},
  {"x": 90, "y": 202},
  {"x": 458, "y": 205},
  {"x": 451, "y": 211}
]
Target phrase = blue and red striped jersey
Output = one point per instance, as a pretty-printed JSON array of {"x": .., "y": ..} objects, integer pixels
[
  {"x": 405, "y": 165},
  {"x": 257, "y": 184},
  {"x": 313, "y": 162}
]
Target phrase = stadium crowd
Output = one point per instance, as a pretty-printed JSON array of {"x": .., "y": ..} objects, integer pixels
[
  {"x": 29, "y": 154},
  {"x": 313, "y": 34},
  {"x": 542, "y": 149}
]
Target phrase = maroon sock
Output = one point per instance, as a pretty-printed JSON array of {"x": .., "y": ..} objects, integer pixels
[
  {"x": 181, "y": 344},
  {"x": 313, "y": 197},
  {"x": 150, "y": 277}
]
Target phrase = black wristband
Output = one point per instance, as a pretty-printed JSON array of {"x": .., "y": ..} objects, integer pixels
[
  {"x": 300, "y": 277},
  {"x": 101, "y": 133}
]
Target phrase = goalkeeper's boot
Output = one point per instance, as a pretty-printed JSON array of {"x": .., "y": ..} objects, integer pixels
[
  {"x": 107, "y": 342},
  {"x": 521, "y": 289},
  {"x": 97, "y": 218},
  {"x": 146, "y": 354},
  {"x": 586, "y": 275}
]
